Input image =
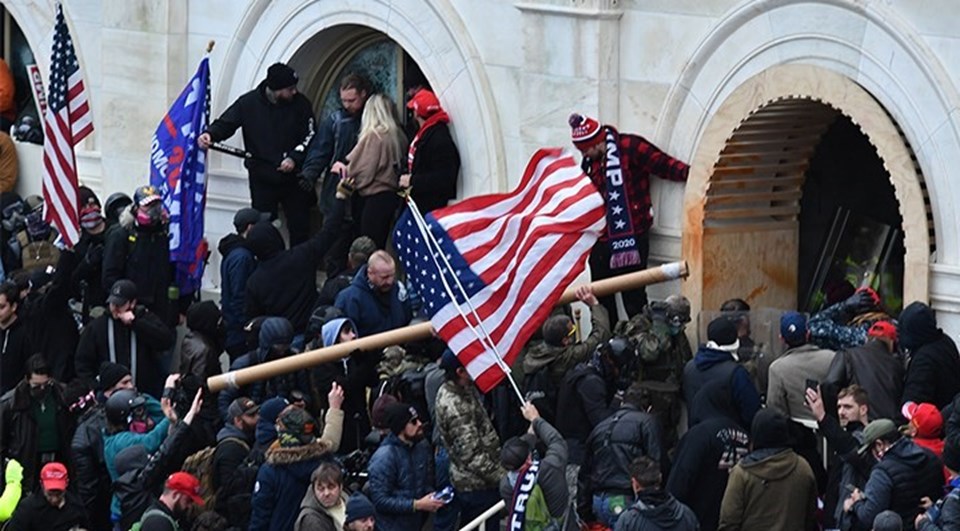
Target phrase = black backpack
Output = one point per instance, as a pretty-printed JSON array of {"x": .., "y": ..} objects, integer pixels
[
  {"x": 235, "y": 496},
  {"x": 543, "y": 394}
]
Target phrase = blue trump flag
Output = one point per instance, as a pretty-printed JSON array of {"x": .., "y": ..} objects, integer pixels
[{"x": 178, "y": 170}]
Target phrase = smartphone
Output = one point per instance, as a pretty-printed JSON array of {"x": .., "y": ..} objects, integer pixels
[
  {"x": 812, "y": 384},
  {"x": 445, "y": 495}
]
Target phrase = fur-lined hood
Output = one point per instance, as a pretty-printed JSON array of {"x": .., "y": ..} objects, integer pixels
[{"x": 279, "y": 456}]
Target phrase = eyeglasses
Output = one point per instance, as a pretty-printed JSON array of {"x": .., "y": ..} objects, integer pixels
[{"x": 573, "y": 331}]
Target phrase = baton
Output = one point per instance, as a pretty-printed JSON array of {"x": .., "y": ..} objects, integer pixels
[{"x": 237, "y": 152}]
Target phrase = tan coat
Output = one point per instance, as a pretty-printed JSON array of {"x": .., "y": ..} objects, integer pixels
[
  {"x": 770, "y": 490},
  {"x": 372, "y": 164}
]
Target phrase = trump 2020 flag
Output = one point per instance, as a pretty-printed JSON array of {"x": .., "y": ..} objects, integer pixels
[
  {"x": 178, "y": 170},
  {"x": 513, "y": 254}
]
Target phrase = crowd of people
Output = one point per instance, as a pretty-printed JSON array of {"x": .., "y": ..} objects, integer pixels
[{"x": 106, "y": 421}]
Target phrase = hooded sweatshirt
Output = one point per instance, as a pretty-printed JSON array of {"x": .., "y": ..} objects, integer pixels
[
  {"x": 934, "y": 372},
  {"x": 236, "y": 265},
  {"x": 371, "y": 311},
  {"x": 711, "y": 368},
  {"x": 657, "y": 510}
]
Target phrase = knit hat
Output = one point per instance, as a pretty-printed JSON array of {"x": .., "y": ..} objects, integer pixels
[
  {"x": 358, "y": 508},
  {"x": 884, "y": 330},
  {"x": 110, "y": 374},
  {"x": 951, "y": 454},
  {"x": 793, "y": 328},
  {"x": 378, "y": 413},
  {"x": 722, "y": 332},
  {"x": 396, "y": 416},
  {"x": 926, "y": 418},
  {"x": 770, "y": 430},
  {"x": 888, "y": 521},
  {"x": 424, "y": 103},
  {"x": 585, "y": 131},
  {"x": 271, "y": 408},
  {"x": 874, "y": 432},
  {"x": 203, "y": 317},
  {"x": 514, "y": 453},
  {"x": 295, "y": 427},
  {"x": 449, "y": 360},
  {"x": 281, "y": 76}
]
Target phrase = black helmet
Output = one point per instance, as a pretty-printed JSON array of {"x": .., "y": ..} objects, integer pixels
[
  {"x": 121, "y": 404},
  {"x": 115, "y": 204},
  {"x": 620, "y": 350}
]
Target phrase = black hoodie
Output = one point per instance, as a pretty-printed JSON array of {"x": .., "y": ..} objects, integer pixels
[
  {"x": 933, "y": 375},
  {"x": 655, "y": 510}
]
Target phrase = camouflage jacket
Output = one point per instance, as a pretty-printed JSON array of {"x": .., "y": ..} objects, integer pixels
[
  {"x": 469, "y": 437},
  {"x": 831, "y": 329},
  {"x": 562, "y": 359},
  {"x": 662, "y": 356}
]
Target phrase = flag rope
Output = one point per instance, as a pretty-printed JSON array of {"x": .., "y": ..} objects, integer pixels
[{"x": 482, "y": 335}]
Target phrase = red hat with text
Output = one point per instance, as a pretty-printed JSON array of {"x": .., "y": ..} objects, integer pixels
[
  {"x": 53, "y": 476},
  {"x": 585, "y": 131}
]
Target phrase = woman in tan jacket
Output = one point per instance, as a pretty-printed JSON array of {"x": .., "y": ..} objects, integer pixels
[{"x": 374, "y": 165}]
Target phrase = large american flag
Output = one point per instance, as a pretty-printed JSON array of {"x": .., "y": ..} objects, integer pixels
[
  {"x": 513, "y": 254},
  {"x": 68, "y": 121}
]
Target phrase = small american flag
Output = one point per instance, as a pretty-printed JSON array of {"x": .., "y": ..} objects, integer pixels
[
  {"x": 68, "y": 121},
  {"x": 513, "y": 254}
]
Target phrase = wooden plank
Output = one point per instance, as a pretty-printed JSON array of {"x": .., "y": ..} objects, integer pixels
[
  {"x": 714, "y": 227},
  {"x": 758, "y": 169},
  {"x": 770, "y": 140},
  {"x": 779, "y": 195},
  {"x": 740, "y": 184},
  {"x": 757, "y": 212}
]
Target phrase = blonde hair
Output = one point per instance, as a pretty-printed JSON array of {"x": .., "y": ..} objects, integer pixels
[{"x": 380, "y": 118}]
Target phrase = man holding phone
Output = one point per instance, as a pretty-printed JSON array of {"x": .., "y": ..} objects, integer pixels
[{"x": 801, "y": 367}]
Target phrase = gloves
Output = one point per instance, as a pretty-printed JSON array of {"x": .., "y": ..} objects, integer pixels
[
  {"x": 14, "y": 473},
  {"x": 859, "y": 302},
  {"x": 305, "y": 184}
]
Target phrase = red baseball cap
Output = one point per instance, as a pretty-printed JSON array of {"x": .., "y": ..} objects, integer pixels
[
  {"x": 53, "y": 476},
  {"x": 185, "y": 483},
  {"x": 883, "y": 329},
  {"x": 926, "y": 418}
]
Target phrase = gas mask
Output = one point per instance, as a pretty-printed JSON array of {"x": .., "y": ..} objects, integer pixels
[
  {"x": 140, "y": 422},
  {"x": 152, "y": 215}
]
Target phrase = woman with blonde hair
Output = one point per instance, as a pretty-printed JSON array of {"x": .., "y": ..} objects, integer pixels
[{"x": 374, "y": 166}]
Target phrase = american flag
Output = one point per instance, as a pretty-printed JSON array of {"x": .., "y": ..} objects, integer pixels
[
  {"x": 513, "y": 254},
  {"x": 68, "y": 121}
]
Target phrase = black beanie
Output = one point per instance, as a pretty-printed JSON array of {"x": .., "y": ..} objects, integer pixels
[
  {"x": 281, "y": 76},
  {"x": 203, "y": 317},
  {"x": 770, "y": 430},
  {"x": 397, "y": 415},
  {"x": 514, "y": 453},
  {"x": 110, "y": 374},
  {"x": 722, "y": 331},
  {"x": 358, "y": 508}
]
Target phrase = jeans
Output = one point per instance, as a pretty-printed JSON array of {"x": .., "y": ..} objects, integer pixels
[
  {"x": 473, "y": 504},
  {"x": 607, "y": 508}
]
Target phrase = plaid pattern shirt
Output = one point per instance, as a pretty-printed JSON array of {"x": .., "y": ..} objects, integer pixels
[{"x": 639, "y": 159}]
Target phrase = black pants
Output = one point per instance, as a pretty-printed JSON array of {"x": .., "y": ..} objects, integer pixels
[
  {"x": 633, "y": 300},
  {"x": 266, "y": 197},
  {"x": 375, "y": 214}
]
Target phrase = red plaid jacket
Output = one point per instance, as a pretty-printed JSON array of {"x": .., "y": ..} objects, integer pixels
[{"x": 639, "y": 159}]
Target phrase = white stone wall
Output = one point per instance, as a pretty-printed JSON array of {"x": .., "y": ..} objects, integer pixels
[{"x": 510, "y": 72}]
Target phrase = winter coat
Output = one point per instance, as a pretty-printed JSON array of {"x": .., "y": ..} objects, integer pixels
[
  {"x": 89, "y": 251},
  {"x": 237, "y": 263},
  {"x": 469, "y": 437},
  {"x": 19, "y": 433},
  {"x": 585, "y": 401},
  {"x": 933, "y": 375},
  {"x": 702, "y": 463},
  {"x": 114, "y": 444},
  {"x": 786, "y": 384},
  {"x": 772, "y": 488},
  {"x": 949, "y": 519},
  {"x": 559, "y": 360},
  {"x": 854, "y": 468},
  {"x": 36, "y": 514},
  {"x": 656, "y": 510},
  {"x": 49, "y": 319},
  {"x": 832, "y": 328},
  {"x": 284, "y": 284},
  {"x": 153, "y": 339},
  {"x": 618, "y": 440},
  {"x": 399, "y": 473},
  {"x": 876, "y": 370},
  {"x": 436, "y": 166},
  {"x": 285, "y": 476},
  {"x": 233, "y": 446},
  {"x": 199, "y": 356},
  {"x": 16, "y": 348},
  {"x": 905, "y": 474},
  {"x": 143, "y": 256},
  {"x": 89, "y": 469},
  {"x": 373, "y": 312},
  {"x": 712, "y": 366},
  {"x": 271, "y": 132},
  {"x": 374, "y": 161},
  {"x": 552, "y": 474},
  {"x": 315, "y": 517},
  {"x": 336, "y": 136},
  {"x": 333, "y": 286}
]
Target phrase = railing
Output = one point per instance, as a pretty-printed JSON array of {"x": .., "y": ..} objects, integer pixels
[{"x": 482, "y": 519}]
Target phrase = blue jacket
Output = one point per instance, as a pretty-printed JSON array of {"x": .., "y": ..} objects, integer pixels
[
  {"x": 151, "y": 441},
  {"x": 713, "y": 370},
  {"x": 236, "y": 266},
  {"x": 399, "y": 474},
  {"x": 370, "y": 311}
]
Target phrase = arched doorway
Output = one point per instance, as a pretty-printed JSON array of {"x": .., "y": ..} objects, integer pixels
[{"x": 766, "y": 205}]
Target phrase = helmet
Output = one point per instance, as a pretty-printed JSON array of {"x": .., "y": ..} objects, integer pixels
[
  {"x": 114, "y": 204},
  {"x": 620, "y": 351},
  {"x": 146, "y": 194},
  {"x": 121, "y": 404}
]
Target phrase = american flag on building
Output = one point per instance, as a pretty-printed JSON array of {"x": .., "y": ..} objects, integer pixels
[
  {"x": 513, "y": 254},
  {"x": 67, "y": 122}
]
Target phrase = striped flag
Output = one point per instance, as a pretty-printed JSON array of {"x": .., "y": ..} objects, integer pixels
[
  {"x": 68, "y": 120},
  {"x": 513, "y": 254}
]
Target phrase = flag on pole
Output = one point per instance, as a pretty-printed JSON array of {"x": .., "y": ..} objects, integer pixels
[
  {"x": 513, "y": 254},
  {"x": 178, "y": 170},
  {"x": 68, "y": 121}
]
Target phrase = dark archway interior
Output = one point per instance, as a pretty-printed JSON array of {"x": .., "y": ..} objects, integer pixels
[{"x": 847, "y": 186}]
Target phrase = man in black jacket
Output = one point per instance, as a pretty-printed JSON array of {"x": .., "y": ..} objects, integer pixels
[
  {"x": 130, "y": 335},
  {"x": 52, "y": 509},
  {"x": 875, "y": 367},
  {"x": 86, "y": 282},
  {"x": 234, "y": 440},
  {"x": 277, "y": 124},
  {"x": 604, "y": 489},
  {"x": 35, "y": 425},
  {"x": 433, "y": 160},
  {"x": 49, "y": 320},
  {"x": 656, "y": 509},
  {"x": 15, "y": 345},
  {"x": 237, "y": 263},
  {"x": 92, "y": 481},
  {"x": 933, "y": 375},
  {"x": 180, "y": 493}
]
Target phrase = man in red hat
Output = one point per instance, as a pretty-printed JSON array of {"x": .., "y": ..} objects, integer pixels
[
  {"x": 180, "y": 492},
  {"x": 52, "y": 509},
  {"x": 620, "y": 166},
  {"x": 433, "y": 161}
]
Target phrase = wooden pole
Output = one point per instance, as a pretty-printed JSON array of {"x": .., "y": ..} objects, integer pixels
[{"x": 407, "y": 334}]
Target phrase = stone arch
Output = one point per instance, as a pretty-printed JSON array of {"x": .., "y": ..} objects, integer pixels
[
  {"x": 275, "y": 31},
  {"x": 783, "y": 97}
]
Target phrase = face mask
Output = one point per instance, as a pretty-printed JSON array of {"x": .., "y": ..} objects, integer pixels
[
  {"x": 151, "y": 216},
  {"x": 39, "y": 392},
  {"x": 141, "y": 423}
]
